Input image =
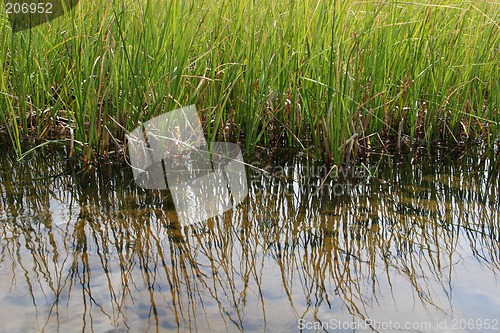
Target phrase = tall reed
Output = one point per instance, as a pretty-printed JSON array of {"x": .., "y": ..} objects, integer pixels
[{"x": 331, "y": 76}]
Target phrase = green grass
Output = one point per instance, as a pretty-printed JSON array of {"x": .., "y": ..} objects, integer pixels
[{"x": 332, "y": 77}]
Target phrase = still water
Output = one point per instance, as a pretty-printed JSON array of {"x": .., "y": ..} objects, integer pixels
[{"x": 395, "y": 246}]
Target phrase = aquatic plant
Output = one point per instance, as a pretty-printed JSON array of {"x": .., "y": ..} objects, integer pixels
[{"x": 334, "y": 78}]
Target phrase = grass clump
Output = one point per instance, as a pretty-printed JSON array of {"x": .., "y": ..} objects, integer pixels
[{"x": 332, "y": 77}]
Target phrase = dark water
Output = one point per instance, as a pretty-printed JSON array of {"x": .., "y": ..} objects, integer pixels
[{"x": 395, "y": 247}]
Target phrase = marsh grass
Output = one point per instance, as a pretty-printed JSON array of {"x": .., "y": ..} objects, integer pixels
[{"x": 332, "y": 77}]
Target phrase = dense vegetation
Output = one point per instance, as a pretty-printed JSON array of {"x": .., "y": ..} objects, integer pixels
[{"x": 332, "y": 77}]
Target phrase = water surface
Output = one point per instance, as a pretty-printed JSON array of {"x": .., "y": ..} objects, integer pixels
[{"x": 395, "y": 247}]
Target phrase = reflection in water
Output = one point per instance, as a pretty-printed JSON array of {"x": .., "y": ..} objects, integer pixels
[{"x": 411, "y": 245}]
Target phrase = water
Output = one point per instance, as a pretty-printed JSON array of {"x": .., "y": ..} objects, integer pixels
[{"x": 394, "y": 247}]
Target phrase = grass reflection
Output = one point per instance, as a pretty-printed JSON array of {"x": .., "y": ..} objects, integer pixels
[{"x": 89, "y": 251}]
